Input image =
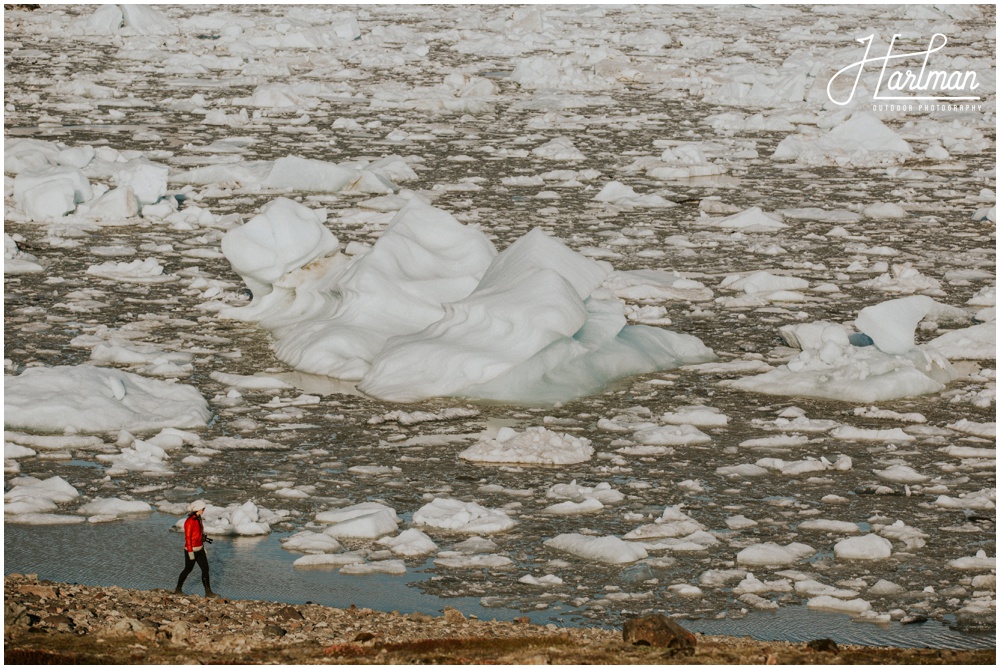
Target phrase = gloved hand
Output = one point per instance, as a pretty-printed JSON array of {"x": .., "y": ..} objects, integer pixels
[{"x": 190, "y": 555}]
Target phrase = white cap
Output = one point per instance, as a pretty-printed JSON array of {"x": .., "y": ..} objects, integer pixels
[{"x": 196, "y": 505}]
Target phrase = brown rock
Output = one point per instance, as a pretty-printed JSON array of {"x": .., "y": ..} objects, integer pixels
[
  {"x": 823, "y": 646},
  {"x": 522, "y": 620},
  {"x": 658, "y": 631},
  {"x": 289, "y": 613},
  {"x": 364, "y": 636},
  {"x": 453, "y": 615},
  {"x": 274, "y": 630},
  {"x": 43, "y": 591}
]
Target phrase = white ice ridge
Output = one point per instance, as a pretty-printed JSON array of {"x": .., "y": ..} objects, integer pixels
[
  {"x": 535, "y": 446},
  {"x": 432, "y": 310},
  {"x": 96, "y": 399},
  {"x": 836, "y": 364}
]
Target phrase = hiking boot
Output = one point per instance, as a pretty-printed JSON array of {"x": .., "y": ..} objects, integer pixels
[
  {"x": 178, "y": 591},
  {"x": 211, "y": 595}
]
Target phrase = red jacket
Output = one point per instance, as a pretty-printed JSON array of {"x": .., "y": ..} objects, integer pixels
[{"x": 194, "y": 533}]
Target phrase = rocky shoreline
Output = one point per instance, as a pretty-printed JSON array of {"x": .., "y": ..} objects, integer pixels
[{"x": 46, "y": 623}]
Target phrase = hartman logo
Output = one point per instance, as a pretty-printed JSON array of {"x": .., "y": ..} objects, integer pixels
[{"x": 908, "y": 86}]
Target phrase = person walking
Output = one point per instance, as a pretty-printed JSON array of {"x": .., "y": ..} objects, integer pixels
[{"x": 194, "y": 548}]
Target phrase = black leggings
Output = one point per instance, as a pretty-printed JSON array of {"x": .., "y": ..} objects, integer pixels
[{"x": 202, "y": 560}]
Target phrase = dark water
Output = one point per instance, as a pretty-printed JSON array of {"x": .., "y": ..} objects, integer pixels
[{"x": 143, "y": 553}]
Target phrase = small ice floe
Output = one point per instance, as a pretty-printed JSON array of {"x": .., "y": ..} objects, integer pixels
[
  {"x": 904, "y": 279},
  {"x": 697, "y": 415},
  {"x": 901, "y": 474},
  {"x": 982, "y": 500},
  {"x": 984, "y": 430},
  {"x": 671, "y": 435},
  {"x": 850, "y": 433},
  {"x": 415, "y": 417},
  {"x": 311, "y": 542},
  {"x": 899, "y": 531},
  {"x": 410, "y": 543},
  {"x": 85, "y": 398},
  {"x": 617, "y": 193},
  {"x": 546, "y": 581},
  {"x": 574, "y": 508},
  {"x": 572, "y": 491},
  {"x": 831, "y": 366},
  {"x": 533, "y": 446},
  {"x": 861, "y": 141},
  {"x": 137, "y": 456},
  {"x": 102, "y": 509},
  {"x": 456, "y": 560},
  {"x": 772, "y": 554},
  {"x": 466, "y": 517},
  {"x": 977, "y": 342},
  {"x": 865, "y": 547},
  {"x": 672, "y": 523},
  {"x": 981, "y": 562},
  {"x": 608, "y": 549},
  {"x": 683, "y": 161},
  {"x": 30, "y": 495},
  {"x": 560, "y": 148},
  {"x": 829, "y": 526},
  {"x": 16, "y": 261},
  {"x": 753, "y": 219},
  {"x": 330, "y": 559},
  {"x": 138, "y": 271},
  {"x": 367, "y": 520},
  {"x": 389, "y": 567},
  {"x": 855, "y": 607},
  {"x": 252, "y": 382}
]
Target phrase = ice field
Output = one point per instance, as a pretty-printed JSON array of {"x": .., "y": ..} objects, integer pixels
[{"x": 584, "y": 311}]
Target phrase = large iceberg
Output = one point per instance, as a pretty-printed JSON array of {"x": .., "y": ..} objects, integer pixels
[{"x": 432, "y": 310}]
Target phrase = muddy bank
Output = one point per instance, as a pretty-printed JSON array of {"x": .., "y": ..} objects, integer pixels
[{"x": 47, "y": 622}]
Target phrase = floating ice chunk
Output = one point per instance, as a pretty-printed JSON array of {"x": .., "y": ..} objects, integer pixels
[
  {"x": 850, "y": 433},
  {"x": 809, "y": 586},
  {"x": 744, "y": 471},
  {"x": 740, "y": 522},
  {"x": 904, "y": 279},
  {"x": 973, "y": 343},
  {"x": 658, "y": 285},
  {"x": 146, "y": 179},
  {"x": 141, "y": 457},
  {"x": 901, "y": 474},
  {"x": 459, "y": 561},
  {"x": 602, "y": 492},
  {"x": 715, "y": 578},
  {"x": 609, "y": 549},
  {"x": 900, "y": 531},
  {"x": 284, "y": 236},
  {"x": 832, "y": 526},
  {"x": 16, "y": 261},
  {"x": 329, "y": 560},
  {"x": 697, "y": 415},
  {"x": 827, "y": 603},
  {"x": 978, "y": 563},
  {"x": 145, "y": 20},
  {"x": 618, "y": 193},
  {"x": 884, "y": 210},
  {"x": 102, "y": 506},
  {"x": 97, "y": 399},
  {"x": 118, "y": 203},
  {"x": 546, "y": 581},
  {"x": 536, "y": 446},
  {"x": 866, "y": 547},
  {"x": 50, "y": 192},
  {"x": 466, "y": 517},
  {"x": 560, "y": 148},
  {"x": 410, "y": 543},
  {"x": 390, "y": 567},
  {"x": 772, "y": 554},
  {"x": 684, "y": 161},
  {"x": 574, "y": 508},
  {"x": 30, "y": 495},
  {"x": 672, "y": 523},
  {"x": 863, "y": 140},
  {"x": 891, "y": 324},
  {"x": 753, "y": 219},
  {"x": 367, "y": 520},
  {"x": 830, "y": 367},
  {"x": 307, "y": 541},
  {"x": 985, "y": 430},
  {"x": 982, "y": 500},
  {"x": 671, "y": 435},
  {"x": 253, "y": 382},
  {"x": 138, "y": 271}
]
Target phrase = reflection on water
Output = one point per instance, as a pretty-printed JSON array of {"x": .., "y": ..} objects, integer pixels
[{"x": 143, "y": 553}]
